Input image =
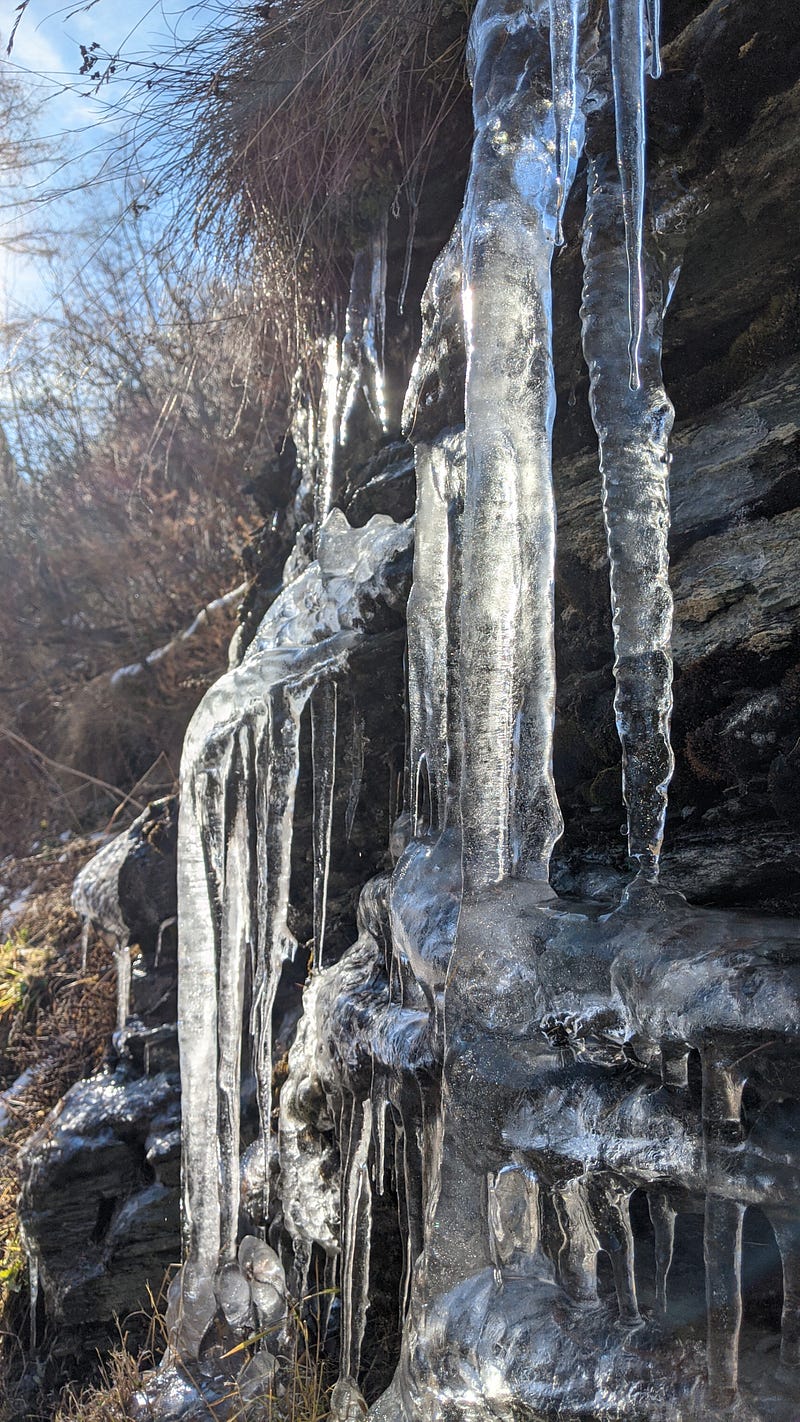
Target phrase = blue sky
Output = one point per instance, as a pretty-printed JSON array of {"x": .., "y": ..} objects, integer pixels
[{"x": 82, "y": 123}]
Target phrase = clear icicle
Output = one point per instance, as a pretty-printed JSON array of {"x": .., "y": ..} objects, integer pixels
[
  {"x": 235, "y": 943},
  {"x": 356, "y": 773},
  {"x": 428, "y": 636},
  {"x": 375, "y": 325},
  {"x": 162, "y": 928},
  {"x": 654, "y": 35},
  {"x": 356, "y": 1237},
  {"x": 200, "y": 892},
  {"x": 324, "y": 710},
  {"x": 279, "y": 761},
  {"x": 325, "y": 488},
  {"x": 356, "y": 366},
  {"x": 628, "y": 68},
  {"x": 633, "y": 427},
  {"x": 564, "y": 18},
  {"x": 510, "y": 813},
  {"x": 33, "y": 1290},
  {"x": 122, "y": 957}
]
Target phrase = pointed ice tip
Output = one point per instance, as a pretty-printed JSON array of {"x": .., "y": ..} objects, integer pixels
[
  {"x": 654, "y": 63},
  {"x": 635, "y": 374}
]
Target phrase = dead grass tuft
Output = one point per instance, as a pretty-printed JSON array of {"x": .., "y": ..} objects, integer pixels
[{"x": 304, "y": 123}]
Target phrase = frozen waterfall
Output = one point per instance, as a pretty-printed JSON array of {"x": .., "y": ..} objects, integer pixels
[{"x": 496, "y": 1059}]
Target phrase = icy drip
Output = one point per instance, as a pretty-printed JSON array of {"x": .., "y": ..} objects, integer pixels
[
  {"x": 86, "y": 928},
  {"x": 355, "y": 367},
  {"x": 433, "y": 631},
  {"x": 356, "y": 1239},
  {"x": 122, "y": 958},
  {"x": 324, "y": 714},
  {"x": 276, "y": 784},
  {"x": 564, "y": 18},
  {"x": 510, "y": 813},
  {"x": 235, "y": 942},
  {"x": 633, "y": 427}
]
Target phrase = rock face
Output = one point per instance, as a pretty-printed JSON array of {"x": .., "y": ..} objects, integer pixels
[{"x": 100, "y": 1198}]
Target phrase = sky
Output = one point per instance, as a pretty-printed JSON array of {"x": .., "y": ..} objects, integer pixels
[{"x": 81, "y": 122}]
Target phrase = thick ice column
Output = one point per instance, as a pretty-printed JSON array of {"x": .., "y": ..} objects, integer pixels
[
  {"x": 633, "y": 427},
  {"x": 510, "y": 813}
]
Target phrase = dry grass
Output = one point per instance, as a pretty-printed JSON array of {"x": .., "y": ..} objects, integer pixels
[
  {"x": 305, "y": 122},
  {"x": 55, "y": 1022},
  {"x": 300, "y": 1390}
]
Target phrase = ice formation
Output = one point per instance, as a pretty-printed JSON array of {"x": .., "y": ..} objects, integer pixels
[{"x": 516, "y": 1070}]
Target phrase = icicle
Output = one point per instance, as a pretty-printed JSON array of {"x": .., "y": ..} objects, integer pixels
[
  {"x": 510, "y": 812},
  {"x": 375, "y": 324},
  {"x": 564, "y": 16},
  {"x": 633, "y": 427},
  {"x": 278, "y": 758},
  {"x": 33, "y": 1294},
  {"x": 356, "y": 775},
  {"x": 324, "y": 702},
  {"x": 357, "y": 366},
  {"x": 380, "y": 1106},
  {"x": 234, "y": 946},
  {"x": 356, "y": 1240},
  {"x": 122, "y": 957},
  {"x": 654, "y": 36},
  {"x": 162, "y": 928},
  {"x": 325, "y": 490},
  {"x": 628, "y": 66},
  {"x": 200, "y": 892},
  {"x": 428, "y": 639},
  {"x": 722, "y": 1251}
]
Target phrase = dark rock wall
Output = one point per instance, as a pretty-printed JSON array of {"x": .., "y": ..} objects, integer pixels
[{"x": 725, "y": 200}]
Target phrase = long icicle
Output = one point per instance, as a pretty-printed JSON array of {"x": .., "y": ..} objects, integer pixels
[
  {"x": 654, "y": 33},
  {"x": 324, "y": 714},
  {"x": 279, "y": 767},
  {"x": 235, "y": 942},
  {"x": 564, "y": 16},
  {"x": 628, "y": 68}
]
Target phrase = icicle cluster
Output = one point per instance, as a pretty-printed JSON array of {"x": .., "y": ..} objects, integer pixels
[{"x": 528, "y": 138}]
